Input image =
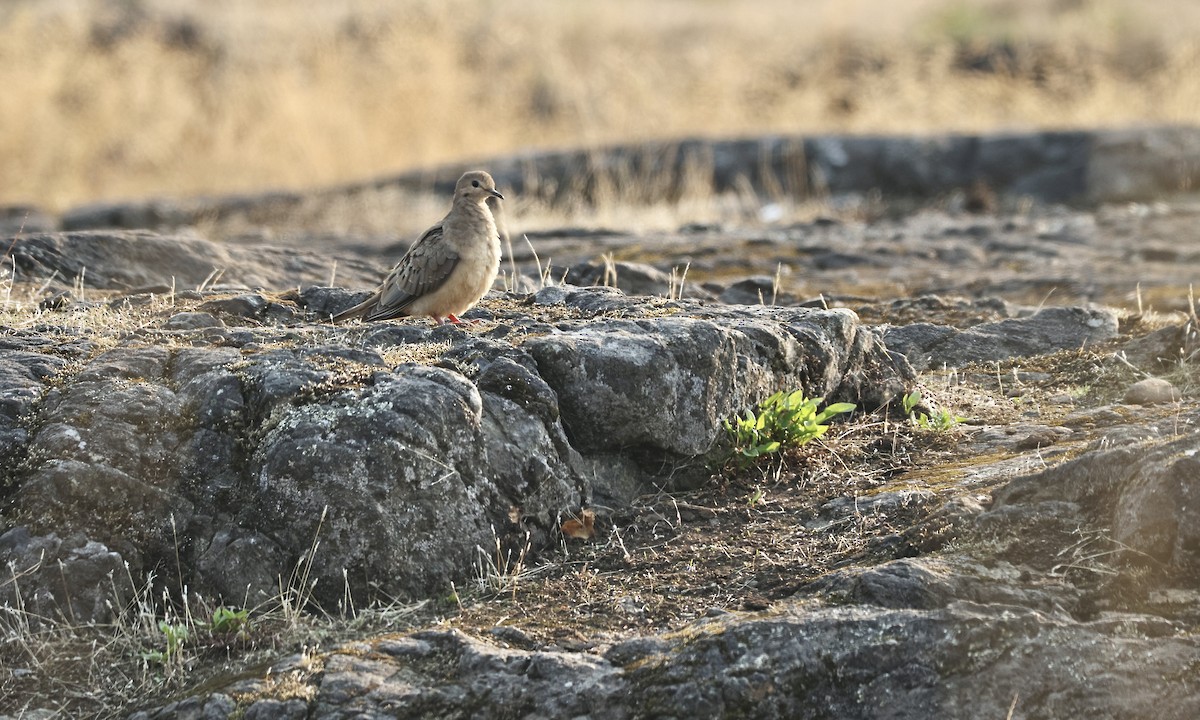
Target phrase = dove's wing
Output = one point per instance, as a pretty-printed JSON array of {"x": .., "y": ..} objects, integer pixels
[{"x": 422, "y": 270}]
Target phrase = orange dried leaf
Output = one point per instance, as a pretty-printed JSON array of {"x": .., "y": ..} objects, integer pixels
[{"x": 583, "y": 528}]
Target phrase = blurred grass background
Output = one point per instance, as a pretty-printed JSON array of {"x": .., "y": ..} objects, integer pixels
[{"x": 110, "y": 99}]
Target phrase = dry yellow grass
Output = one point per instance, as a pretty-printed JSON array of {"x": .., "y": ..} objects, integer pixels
[{"x": 106, "y": 99}]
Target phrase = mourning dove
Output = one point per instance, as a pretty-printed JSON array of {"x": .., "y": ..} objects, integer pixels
[{"x": 449, "y": 268}]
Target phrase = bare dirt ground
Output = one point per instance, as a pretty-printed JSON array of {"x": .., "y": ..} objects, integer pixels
[{"x": 868, "y": 492}]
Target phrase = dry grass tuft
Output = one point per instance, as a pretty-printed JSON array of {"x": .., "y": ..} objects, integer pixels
[
  {"x": 89, "y": 317},
  {"x": 161, "y": 643}
]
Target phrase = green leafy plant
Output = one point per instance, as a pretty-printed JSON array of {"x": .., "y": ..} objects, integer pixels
[
  {"x": 175, "y": 635},
  {"x": 230, "y": 622},
  {"x": 225, "y": 622},
  {"x": 786, "y": 419},
  {"x": 940, "y": 421}
]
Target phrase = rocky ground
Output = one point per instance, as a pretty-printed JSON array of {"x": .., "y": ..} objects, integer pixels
[{"x": 536, "y": 514}]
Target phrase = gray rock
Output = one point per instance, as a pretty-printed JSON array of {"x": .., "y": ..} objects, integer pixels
[
  {"x": 663, "y": 385},
  {"x": 542, "y": 684},
  {"x": 551, "y": 295},
  {"x": 1023, "y": 436},
  {"x": 1047, "y": 331},
  {"x": 193, "y": 321},
  {"x": 223, "y": 464},
  {"x": 163, "y": 213},
  {"x": 1125, "y": 435},
  {"x": 247, "y": 305},
  {"x": 878, "y": 503},
  {"x": 899, "y": 584},
  {"x": 24, "y": 375},
  {"x": 150, "y": 214},
  {"x": 529, "y": 457},
  {"x": 401, "y": 468},
  {"x": 1158, "y": 512},
  {"x": 1049, "y": 166},
  {"x": 24, "y": 219},
  {"x": 1092, "y": 417},
  {"x": 1151, "y": 391},
  {"x": 217, "y": 706},
  {"x": 1161, "y": 348},
  {"x": 270, "y": 709},
  {"x": 757, "y": 290},
  {"x": 72, "y": 580},
  {"x": 522, "y": 283},
  {"x": 240, "y": 563},
  {"x": 603, "y": 374},
  {"x": 1061, "y": 399},
  {"x": 630, "y": 278},
  {"x": 961, "y": 660},
  {"x": 1143, "y": 492},
  {"x": 120, "y": 260},
  {"x": 38, "y": 714},
  {"x": 915, "y": 341},
  {"x": 928, "y": 583},
  {"x": 326, "y": 301},
  {"x": 105, "y": 455},
  {"x": 1140, "y": 164}
]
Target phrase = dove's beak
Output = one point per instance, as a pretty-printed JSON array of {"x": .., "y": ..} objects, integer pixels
[{"x": 496, "y": 193}]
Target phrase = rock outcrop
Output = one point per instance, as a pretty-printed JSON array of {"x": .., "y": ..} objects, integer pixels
[
  {"x": 217, "y": 455},
  {"x": 1049, "y": 330}
]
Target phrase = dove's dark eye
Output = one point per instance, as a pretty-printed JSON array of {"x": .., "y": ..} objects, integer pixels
[{"x": 474, "y": 183}]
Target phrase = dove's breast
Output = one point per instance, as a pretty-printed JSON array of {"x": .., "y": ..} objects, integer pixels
[{"x": 473, "y": 275}]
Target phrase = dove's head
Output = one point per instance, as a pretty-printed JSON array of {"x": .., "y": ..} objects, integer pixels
[{"x": 477, "y": 186}]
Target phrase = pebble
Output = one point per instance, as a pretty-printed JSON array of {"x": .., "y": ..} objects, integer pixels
[{"x": 1151, "y": 391}]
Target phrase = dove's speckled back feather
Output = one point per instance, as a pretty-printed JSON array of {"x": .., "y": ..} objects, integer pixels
[{"x": 422, "y": 270}]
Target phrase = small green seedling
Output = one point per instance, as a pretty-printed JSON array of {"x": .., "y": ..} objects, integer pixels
[
  {"x": 175, "y": 636},
  {"x": 940, "y": 421},
  {"x": 783, "y": 420},
  {"x": 911, "y": 401}
]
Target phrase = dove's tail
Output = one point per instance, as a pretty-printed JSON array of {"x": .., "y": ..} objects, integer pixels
[{"x": 357, "y": 311}]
